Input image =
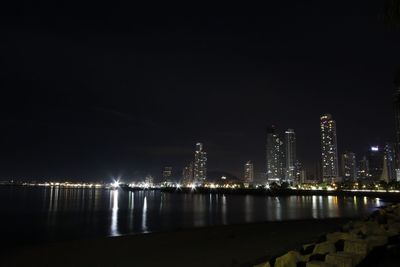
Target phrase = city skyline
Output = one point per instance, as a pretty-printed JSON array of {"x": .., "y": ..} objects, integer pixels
[{"x": 93, "y": 95}]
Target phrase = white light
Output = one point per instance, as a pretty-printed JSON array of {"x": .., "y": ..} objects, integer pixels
[
  {"x": 115, "y": 184},
  {"x": 374, "y": 148}
]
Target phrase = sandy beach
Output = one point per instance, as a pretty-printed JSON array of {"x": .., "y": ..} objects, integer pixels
[{"x": 235, "y": 245}]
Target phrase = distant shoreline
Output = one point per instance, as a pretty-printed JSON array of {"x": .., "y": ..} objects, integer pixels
[{"x": 385, "y": 196}]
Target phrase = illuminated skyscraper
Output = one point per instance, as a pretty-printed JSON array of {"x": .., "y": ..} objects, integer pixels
[
  {"x": 396, "y": 105},
  {"x": 300, "y": 173},
  {"x": 376, "y": 162},
  {"x": 363, "y": 169},
  {"x": 167, "y": 174},
  {"x": 149, "y": 180},
  {"x": 200, "y": 164},
  {"x": 349, "y": 171},
  {"x": 275, "y": 154},
  {"x": 248, "y": 172},
  {"x": 290, "y": 156},
  {"x": 329, "y": 149},
  {"x": 187, "y": 174},
  {"x": 389, "y": 171}
]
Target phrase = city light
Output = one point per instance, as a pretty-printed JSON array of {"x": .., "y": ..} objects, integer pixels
[{"x": 115, "y": 184}]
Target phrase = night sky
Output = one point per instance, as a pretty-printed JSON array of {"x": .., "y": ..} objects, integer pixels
[{"x": 94, "y": 91}]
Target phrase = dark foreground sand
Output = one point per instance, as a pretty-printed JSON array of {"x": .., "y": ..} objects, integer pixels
[{"x": 237, "y": 245}]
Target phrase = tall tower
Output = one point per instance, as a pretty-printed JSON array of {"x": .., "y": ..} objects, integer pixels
[
  {"x": 187, "y": 174},
  {"x": 290, "y": 156},
  {"x": 300, "y": 173},
  {"x": 389, "y": 172},
  {"x": 376, "y": 163},
  {"x": 349, "y": 170},
  {"x": 167, "y": 174},
  {"x": 329, "y": 149},
  {"x": 274, "y": 151},
  {"x": 200, "y": 164},
  {"x": 396, "y": 105},
  {"x": 248, "y": 172},
  {"x": 363, "y": 168}
]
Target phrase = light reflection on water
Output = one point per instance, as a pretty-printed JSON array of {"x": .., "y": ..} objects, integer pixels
[
  {"x": 114, "y": 217},
  {"x": 57, "y": 213},
  {"x": 144, "y": 215}
]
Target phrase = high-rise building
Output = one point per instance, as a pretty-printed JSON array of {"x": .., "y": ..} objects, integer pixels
[
  {"x": 349, "y": 168},
  {"x": 363, "y": 169},
  {"x": 275, "y": 154},
  {"x": 149, "y": 180},
  {"x": 389, "y": 170},
  {"x": 318, "y": 171},
  {"x": 248, "y": 173},
  {"x": 167, "y": 174},
  {"x": 260, "y": 177},
  {"x": 290, "y": 156},
  {"x": 300, "y": 173},
  {"x": 329, "y": 149},
  {"x": 396, "y": 105},
  {"x": 376, "y": 162},
  {"x": 187, "y": 174},
  {"x": 200, "y": 164}
]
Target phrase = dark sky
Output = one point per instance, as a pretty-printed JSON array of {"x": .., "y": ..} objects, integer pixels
[{"x": 93, "y": 91}]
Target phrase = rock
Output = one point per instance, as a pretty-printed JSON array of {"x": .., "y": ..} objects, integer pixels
[
  {"x": 376, "y": 241},
  {"x": 318, "y": 264},
  {"x": 341, "y": 259},
  {"x": 307, "y": 249},
  {"x": 333, "y": 237},
  {"x": 324, "y": 247},
  {"x": 289, "y": 259},
  {"x": 264, "y": 264},
  {"x": 360, "y": 247}
]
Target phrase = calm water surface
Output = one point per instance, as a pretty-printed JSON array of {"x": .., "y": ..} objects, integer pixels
[{"x": 36, "y": 214}]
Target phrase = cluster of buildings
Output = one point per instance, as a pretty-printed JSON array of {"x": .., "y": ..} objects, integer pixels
[
  {"x": 380, "y": 163},
  {"x": 281, "y": 162},
  {"x": 194, "y": 173}
]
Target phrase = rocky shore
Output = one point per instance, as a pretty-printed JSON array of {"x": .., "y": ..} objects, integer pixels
[{"x": 374, "y": 241}]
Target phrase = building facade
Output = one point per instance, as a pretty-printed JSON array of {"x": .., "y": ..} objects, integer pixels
[
  {"x": 349, "y": 166},
  {"x": 167, "y": 174},
  {"x": 200, "y": 164},
  {"x": 363, "y": 169},
  {"x": 149, "y": 180},
  {"x": 274, "y": 156},
  {"x": 249, "y": 173},
  {"x": 329, "y": 149},
  {"x": 375, "y": 162},
  {"x": 389, "y": 169},
  {"x": 290, "y": 156},
  {"x": 187, "y": 174},
  {"x": 396, "y": 106},
  {"x": 300, "y": 173}
]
